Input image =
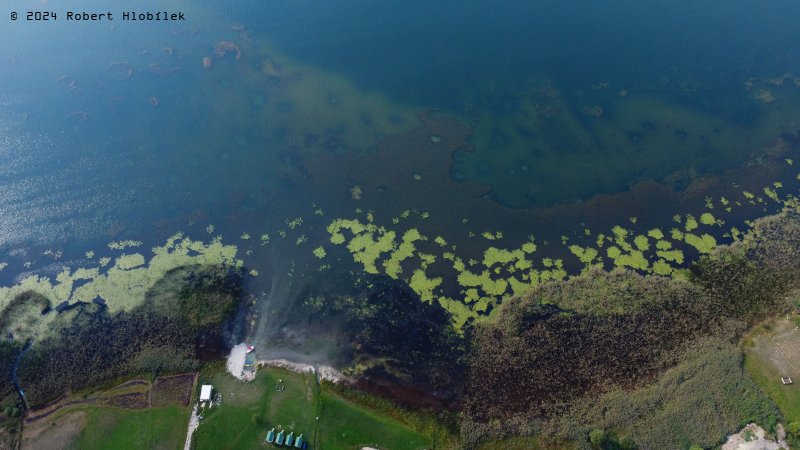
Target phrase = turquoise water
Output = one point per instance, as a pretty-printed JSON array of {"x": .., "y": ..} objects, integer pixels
[{"x": 557, "y": 104}]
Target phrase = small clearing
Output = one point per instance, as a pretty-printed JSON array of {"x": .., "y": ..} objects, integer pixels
[{"x": 772, "y": 351}]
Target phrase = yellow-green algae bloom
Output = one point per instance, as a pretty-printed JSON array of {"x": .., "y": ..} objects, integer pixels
[
  {"x": 404, "y": 251},
  {"x": 123, "y": 286},
  {"x": 691, "y": 223},
  {"x": 641, "y": 242},
  {"x": 319, "y": 252},
  {"x": 585, "y": 255},
  {"x": 122, "y": 245},
  {"x": 661, "y": 267},
  {"x": 704, "y": 244},
  {"x": 771, "y": 193},
  {"x": 707, "y": 219},
  {"x": 423, "y": 285}
]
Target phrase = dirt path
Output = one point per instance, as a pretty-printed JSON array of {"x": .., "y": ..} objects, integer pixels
[{"x": 194, "y": 422}]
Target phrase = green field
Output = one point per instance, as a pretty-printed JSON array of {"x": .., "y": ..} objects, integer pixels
[
  {"x": 326, "y": 420},
  {"x": 122, "y": 429},
  {"x": 344, "y": 424}
]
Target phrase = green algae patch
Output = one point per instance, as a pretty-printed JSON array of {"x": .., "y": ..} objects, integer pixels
[
  {"x": 707, "y": 219},
  {"x": 320, "y": 252},
  {"x": 656, "y": 234},
  {"x": 663, "y": 245},
  {"x": 691, "y": 223},
  {"x": 642, "y": 243},
  {"x": 127, "y": 262},
  {"x": 772, "y": 194},
  {"x": 459, "y": 312},
  {"x": 661, "y": 267},
  {"x": 488, "y": 235},
  {"x": 366, "y": 249},
  {"x": 635, "y": 260},
  {"x": 675, "y": 256},
  {"x": 497, "y": 256},
  {"x": 122, "y": 245},
  {"x": 704, "y": 243},
  {"x": 124, "y": 285},
  {"x": 585, "y": 255},
  {"x": 404, "y": 251},
  {"x": 423, "y": 285}
]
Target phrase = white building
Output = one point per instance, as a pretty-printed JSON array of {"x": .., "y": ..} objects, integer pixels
[{"x": 205, "y": 392}]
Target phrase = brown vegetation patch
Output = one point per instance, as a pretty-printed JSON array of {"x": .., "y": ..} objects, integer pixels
[
  {"x": 37, "y": 414},
  {"x": 128, "y": 384},
  {"x": 133, "y": 400},
  {"x": 174, "y": 390}
]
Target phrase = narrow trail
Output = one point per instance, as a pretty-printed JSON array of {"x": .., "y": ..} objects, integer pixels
[{"x": 14, "y": 378}]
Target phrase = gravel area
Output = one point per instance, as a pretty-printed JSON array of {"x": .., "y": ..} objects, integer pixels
[{"x": 752, "y": 437}]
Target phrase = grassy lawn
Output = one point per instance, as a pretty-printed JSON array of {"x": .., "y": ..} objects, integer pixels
[
  {"x": 242, "y": 420},
  {"x": 345, "y": 425},
  {"x": 153, "y": 428},
  {"x": 771, "y": 352}
]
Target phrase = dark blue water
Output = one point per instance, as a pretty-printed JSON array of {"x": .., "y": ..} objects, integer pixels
[
  {"x": 86, "y": 157},
  {"x": 439, "y": 54}
]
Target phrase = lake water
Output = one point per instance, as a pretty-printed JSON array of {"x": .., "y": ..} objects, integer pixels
[{"x": 521, "y": 117}]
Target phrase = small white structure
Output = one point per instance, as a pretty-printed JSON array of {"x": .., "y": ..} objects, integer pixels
[{"x": 205, "y": 392}]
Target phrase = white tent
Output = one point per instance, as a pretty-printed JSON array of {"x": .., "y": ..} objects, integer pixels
[{"x": 205, "y": 392}]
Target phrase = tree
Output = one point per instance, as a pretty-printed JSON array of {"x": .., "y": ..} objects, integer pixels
[{"x": 597, "y": 437}]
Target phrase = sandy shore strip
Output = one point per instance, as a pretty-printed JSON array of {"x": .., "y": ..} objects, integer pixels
[
  {"x": 236, "y": 361},
  {"x": 323, "y": 373}
]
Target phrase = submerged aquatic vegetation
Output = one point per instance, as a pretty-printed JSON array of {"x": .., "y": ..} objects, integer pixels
[{"x": 122, "y": 245}]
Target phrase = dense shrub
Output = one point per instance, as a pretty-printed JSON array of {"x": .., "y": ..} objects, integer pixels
[
  {"x": 568, "y": 343},
  {"x": 698, "y": 401}
]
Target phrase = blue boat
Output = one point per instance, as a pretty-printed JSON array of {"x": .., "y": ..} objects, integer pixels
[
  {"x": 298, "y": 443},
  {"x": 271, "y": 436}
]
